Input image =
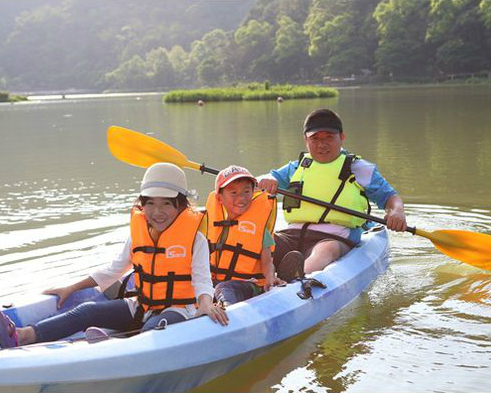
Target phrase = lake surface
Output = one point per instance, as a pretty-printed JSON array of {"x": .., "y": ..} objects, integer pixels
[{"x": 423, "y": 326}]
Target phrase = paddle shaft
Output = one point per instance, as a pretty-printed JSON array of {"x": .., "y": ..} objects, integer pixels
[
  {"x": 317, "y": 202},
  {"x": 142, "y": 150}
]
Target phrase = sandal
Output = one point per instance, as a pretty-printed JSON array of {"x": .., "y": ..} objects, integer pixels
[
  {"x": 8, "y": 333},
  {"x": 94, "y": 334},
  {"x": 291, "y": 266}
]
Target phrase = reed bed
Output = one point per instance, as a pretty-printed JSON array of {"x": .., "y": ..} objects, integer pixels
[{"x": 251, "y": 91}]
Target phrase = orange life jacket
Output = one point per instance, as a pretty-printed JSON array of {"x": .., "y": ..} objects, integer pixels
[
  {"x": 239, "y": 256},
  {"x": 163, "y": 269}
]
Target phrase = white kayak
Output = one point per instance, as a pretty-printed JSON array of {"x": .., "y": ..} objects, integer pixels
[{"x": 187, "y": 354}]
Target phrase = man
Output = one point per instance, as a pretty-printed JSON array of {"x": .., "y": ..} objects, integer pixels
[{"x": 317, "y": 236}]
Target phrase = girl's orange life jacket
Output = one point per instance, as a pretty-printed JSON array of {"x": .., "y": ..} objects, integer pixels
[
  {"x": 238, "y": 257},
  {"x": 163, "y": 269}
]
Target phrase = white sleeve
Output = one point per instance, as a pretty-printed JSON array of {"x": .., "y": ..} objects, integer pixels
[
  {"x": 200, "y": 267},
  {"x": 363, "y": 171},
  {"x": 107, "y": 275}
]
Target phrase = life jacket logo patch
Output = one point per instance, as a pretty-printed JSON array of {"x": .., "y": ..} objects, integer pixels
[
  {"x": 307, "y": 162},
  {"x": 247, "y": 227},
  {"x": 175, "y": 252}
]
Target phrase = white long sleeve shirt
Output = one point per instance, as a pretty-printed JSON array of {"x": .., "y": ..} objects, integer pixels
[{"x": 200, "y": 273}]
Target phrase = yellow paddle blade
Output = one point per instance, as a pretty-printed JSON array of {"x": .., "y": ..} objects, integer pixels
[
  {"x": 142, "y": 150},
  {"x": 469, "y": 247}
]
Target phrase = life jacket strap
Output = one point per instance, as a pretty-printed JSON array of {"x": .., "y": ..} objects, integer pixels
[
  {"x": 225, "y": 223},
  {"x": 300, "y": 244},
  {"x": 149, "y": 250},
  {"x": 230, "y": 271},
  {"x": 122, "y": 293},
  {"x": 165, "y": 303},
  {"x": 137, "y": 322},
  {"x": 171, "y": 277},
  {"x": 235, "y": 249},
  {"x": 244, "y": 276},
  {"x": 344, "y": 175}
]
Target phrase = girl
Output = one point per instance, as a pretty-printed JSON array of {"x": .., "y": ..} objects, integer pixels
[{"x": 171, "y": 262}]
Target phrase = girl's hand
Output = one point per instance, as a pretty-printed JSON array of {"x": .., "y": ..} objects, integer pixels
[{"x": 215, "y": 312}]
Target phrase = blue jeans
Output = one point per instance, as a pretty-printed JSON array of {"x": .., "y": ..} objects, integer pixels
[
  {"x": 234, "y": 291},
  {"x": 112, "y": 314}
]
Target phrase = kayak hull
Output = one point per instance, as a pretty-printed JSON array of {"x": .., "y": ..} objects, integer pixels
[{"x": 188, "y": 354}]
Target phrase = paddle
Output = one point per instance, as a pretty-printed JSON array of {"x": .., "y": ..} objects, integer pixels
[{"x": 142, "y": 150}]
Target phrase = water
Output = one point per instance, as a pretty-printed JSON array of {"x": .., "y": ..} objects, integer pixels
[{"x": 424, "y": 326}]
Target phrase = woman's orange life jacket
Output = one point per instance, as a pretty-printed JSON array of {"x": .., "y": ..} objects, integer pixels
[
  {"x": 238, "y": 257},
  {"x": 163, "y": 268}
]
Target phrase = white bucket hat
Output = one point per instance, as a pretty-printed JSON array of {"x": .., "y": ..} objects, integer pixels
[{"x": 164, "y": 180}]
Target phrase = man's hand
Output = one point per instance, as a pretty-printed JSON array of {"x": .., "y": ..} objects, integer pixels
[{"x": 395, "y": 217}]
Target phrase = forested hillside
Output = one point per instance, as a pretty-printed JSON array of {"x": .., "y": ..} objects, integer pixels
[{"x": 155, "y": 45}]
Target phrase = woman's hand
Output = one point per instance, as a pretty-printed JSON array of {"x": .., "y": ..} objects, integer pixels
[
  {"x": 214, "y": 311},
  {"x": 63, "y": 293}
]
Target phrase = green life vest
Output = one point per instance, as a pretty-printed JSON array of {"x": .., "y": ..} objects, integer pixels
[{"x": 331, "y": 182}]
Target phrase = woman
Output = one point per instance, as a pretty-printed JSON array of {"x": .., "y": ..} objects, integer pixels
[{"x": 171, "y": 262}]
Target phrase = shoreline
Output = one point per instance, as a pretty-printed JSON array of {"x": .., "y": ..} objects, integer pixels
[{"x": 61, "y": 96}]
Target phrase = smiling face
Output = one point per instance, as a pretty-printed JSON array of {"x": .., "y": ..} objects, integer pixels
[
  {"x": 160, "y": 212},
  {"x": 325, "y": 146},
  {"x": 236, "y": 197}
]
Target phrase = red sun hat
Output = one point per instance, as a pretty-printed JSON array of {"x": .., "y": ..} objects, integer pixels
[{"x": 231, "y": 173}]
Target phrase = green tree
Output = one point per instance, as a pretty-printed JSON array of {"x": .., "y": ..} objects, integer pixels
[
  {"x": 342, "y": 35},
  {"x": 130, "y": 75},
  {"x": 290, "y": 51},
  {"x": 181, "y": 65},
  {"x": 45, "y": 25},
  {"x": 160, "y": 71},
  {"x": 320, "y": 14},
  {"x": 271, "y": 10},
  {"x": 485, "y": 9},
  {"x": 211, "y": 51},
  {"x": 401, "y": 30},
  {"x": 457, "y": 32},
  {"x": 254, "y": 47}
]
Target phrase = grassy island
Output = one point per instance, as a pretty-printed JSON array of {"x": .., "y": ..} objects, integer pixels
[
  {"x": 250, "y": 91},
  {"x": 5, "y": 96}
]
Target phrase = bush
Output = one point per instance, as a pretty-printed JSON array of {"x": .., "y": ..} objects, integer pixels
[
  {"x": 4, "y": 96},
  {"x": 250, "y": 91}
]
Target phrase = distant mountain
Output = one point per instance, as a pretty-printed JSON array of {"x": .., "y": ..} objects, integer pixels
[{"x": 62, "y": 44}]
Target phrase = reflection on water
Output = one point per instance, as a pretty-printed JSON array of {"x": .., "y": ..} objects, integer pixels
[{"x": 425, "y": 325}]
